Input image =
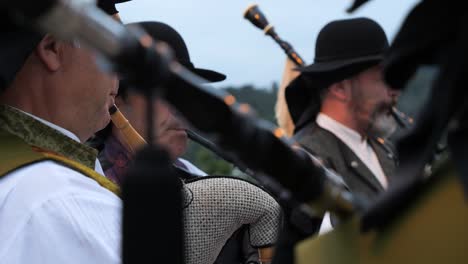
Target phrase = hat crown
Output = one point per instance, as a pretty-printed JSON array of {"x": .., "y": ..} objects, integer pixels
[
  {"x": 165, "y": 33},
  {"x": 349, "y": 39}
]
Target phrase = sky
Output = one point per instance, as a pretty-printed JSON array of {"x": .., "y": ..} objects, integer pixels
[{"x": 219, "y": 38}]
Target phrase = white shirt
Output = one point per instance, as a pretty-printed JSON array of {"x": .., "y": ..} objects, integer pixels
[
  {"x": 359, "y": 146},
  {"x": 356, "y": 143},
  {"x": 192, "y": 168},
  {"x": 52, "y": 214}
]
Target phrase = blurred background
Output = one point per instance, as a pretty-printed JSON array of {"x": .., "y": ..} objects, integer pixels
[{"x": 219, "y": 38}]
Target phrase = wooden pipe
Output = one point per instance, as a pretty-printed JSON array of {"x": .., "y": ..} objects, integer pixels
[{"x": 131, "y": 138}]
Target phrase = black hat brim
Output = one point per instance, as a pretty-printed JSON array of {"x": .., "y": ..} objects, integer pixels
[
  {"x": 209, "y": 75},
  {"x": 330, "y": 66}
]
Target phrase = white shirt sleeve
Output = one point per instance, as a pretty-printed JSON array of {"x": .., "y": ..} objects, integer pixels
[
  {"x": 192, "y": 168},
  {"x": 326, "y": 225},
  {"x": 69, "y": 229},
  {"x": 56, "y": 215}
]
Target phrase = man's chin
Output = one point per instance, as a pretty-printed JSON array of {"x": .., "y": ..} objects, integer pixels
[{"x": 106, "y": 120}]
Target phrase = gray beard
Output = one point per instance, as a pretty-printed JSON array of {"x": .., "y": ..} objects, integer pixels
[{"x": 383, "y": 125}]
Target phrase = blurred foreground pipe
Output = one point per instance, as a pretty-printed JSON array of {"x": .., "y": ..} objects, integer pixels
[{"x": 132, "y": 139}]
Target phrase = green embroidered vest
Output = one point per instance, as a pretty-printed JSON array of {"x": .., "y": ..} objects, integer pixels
[{"x": 25, "y": 140}]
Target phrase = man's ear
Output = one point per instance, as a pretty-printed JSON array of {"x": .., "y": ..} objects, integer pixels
[
  {"x": 49, "y": 52},
  {"x": 341, "y": 90}
]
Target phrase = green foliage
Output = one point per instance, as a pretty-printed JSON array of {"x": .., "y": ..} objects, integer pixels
[
  {"x": 261, "y": 100},
  {"x": 209, "y": 162}
]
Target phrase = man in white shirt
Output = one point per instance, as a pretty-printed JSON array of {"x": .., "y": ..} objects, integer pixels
[
  {"x": 340, "y": 105},
  {"x": 54, "y": 207}
]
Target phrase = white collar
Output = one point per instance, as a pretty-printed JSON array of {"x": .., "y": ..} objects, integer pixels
[
  {"x": 52, "y": 125},
  {"x": 343, "y": 132},
  {"x": 356, "y": 143}
]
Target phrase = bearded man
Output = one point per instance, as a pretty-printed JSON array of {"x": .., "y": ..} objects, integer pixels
[{"x": 341, "y": 106}]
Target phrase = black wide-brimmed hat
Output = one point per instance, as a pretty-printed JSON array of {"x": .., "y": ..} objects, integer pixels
[
  {"x": 17, "y": 43},
  {"x": 343, "y": 49},
  {"x": 166, "y": 33}
]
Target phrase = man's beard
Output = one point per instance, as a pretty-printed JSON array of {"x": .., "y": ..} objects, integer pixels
[{"x": 383, "y": 124}]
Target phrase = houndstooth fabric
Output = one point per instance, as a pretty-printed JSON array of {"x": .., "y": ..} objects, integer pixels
[{"x": 216, "y": 207}]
